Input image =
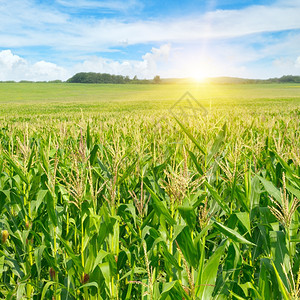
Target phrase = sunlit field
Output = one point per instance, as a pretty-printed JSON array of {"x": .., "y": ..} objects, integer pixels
[
  {"x": 112, "y": 192},
  {"x": 55, "y": 99}
]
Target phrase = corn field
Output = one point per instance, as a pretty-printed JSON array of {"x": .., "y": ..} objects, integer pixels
[{"x": 135, "y": 206}]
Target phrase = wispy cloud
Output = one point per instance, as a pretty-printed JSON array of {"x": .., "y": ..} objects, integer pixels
[
  {"x": 26, "y": 14},
  {"x": 103, "y": 5},
  {"x": 38, "y": 26}
]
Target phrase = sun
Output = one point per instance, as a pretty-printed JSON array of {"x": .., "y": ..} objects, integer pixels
[
  {"x": 202, "y": 69},
  {"x": 199, "y": 77},
  {"x": 201, "y": 73}
]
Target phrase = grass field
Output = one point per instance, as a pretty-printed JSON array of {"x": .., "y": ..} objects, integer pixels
[
  {"x": 46, "y": 98},
  {"x": 107, "y": 194}
]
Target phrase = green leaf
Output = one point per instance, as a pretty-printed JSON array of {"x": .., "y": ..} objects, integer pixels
[
  {"x": 217, "y": 143},
  {"x": 38, "y": 253},
  {"x": 128, "y": 171},
  {"x": 245, "y": 220},
  {"x": 88, "y": 137},
  {"x": 202, "y": 258},
  {"x": 249, "y": 286},
  {"x": 236, "y": 296},
  {"x": 187, "y": 247},
  {"x": 289, "y": 171},
  {"x": 280, "y": 254},
  {"x": 270, "y": 188},
  {"x": 30, "y": 159},
  {"x": 293, "y": 191},
  {"x": 14, "y": 265},
  {"x": 188, "y": 133},
  {"x": 1, "y": 263},
  {"x": 283, "y": 289},
  {"x": 104, "y": 267},
  {"x": 216, "y": 196},
  {"x": 101, "y": 254},
  {"x": 46, "y": 287},
  {"x": 40, "y": 197},
  {"x": 173, "y": 290},
  {"x": 255, "y": 192},
  {"x": 189, "y": 215},
  {"x": 76, "y": 259},
  {"x": 232, "y": 234},
  {"x": 160, "y": 208},
  {"x": 21, "y": 291},
  {"x": 209, "y": 276},
  {"x": 90, "y": 284},
  {"x": 44, "y": 158},
  {"x": 194, "y": 159},
  {"x": 93, "y": 154},
  {"x": 51, "y": 208},
  {"x": 167, "y": 255},
  {"x": 134, "y": 270},
  {"x": 15, "y": 167}
]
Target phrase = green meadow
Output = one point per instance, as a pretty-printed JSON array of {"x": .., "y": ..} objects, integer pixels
[
  {"x": 45, "y": 98},
  {"x": 112, "y": 192}
]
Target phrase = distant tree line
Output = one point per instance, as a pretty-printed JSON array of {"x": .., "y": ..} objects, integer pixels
[
  {"x": 91, "y": 77},
  {"x": 236, "y": 80},
  {"x": 286, "y": 78}
]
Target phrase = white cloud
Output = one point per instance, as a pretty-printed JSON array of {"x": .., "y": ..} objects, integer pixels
[
  {"x": 104, "y": 5},
  {"x": 145, "y": 68},
  {"x": 11, "y": 65},
  {"x": 219, "y": 24},
  {"x": 43, "y": 70},
  {"x": 14, "y": 67},
  {"x": 47, "y": 26},
  {"x": 297, "y": 64},
  {"x": 10, "y": 61},
  {"x": 18, "y": 13}
]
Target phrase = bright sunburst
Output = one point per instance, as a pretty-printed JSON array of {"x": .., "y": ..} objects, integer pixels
[{"x": 199, "y": 77}]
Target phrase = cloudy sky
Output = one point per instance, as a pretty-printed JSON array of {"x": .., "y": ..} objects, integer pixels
[{"x": 54, "y": 39}]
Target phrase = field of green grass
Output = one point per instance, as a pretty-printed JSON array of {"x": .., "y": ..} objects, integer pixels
[
  {"x": 46, "y": 98},
  {"x": 106, "y": 193}
]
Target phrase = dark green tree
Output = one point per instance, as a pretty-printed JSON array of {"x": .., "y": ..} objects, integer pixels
[{"x": 156, "y": 79}]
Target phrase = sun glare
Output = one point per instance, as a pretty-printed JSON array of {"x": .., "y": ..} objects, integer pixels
[
  {"x": 202, "y": 69},
  {"x": 201, "y": 73},
  {"x": 199, "y": 77}
]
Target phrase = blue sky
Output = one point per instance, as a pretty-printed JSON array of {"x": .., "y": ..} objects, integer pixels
[{"x": 47, "y": 40}]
